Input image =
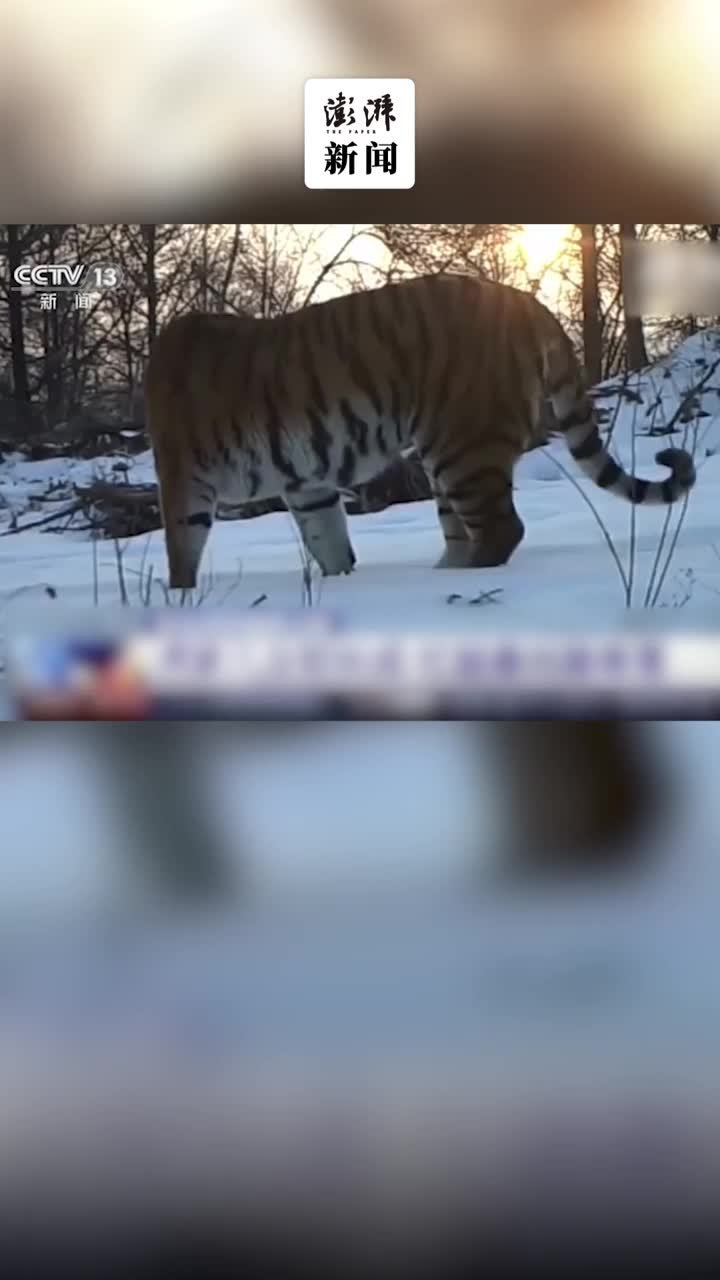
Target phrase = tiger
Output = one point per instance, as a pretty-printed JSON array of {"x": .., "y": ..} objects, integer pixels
[{"x": 305, "y": 405}]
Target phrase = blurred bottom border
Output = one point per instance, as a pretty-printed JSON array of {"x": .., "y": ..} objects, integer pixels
[{"x": 401, "y": 1198}]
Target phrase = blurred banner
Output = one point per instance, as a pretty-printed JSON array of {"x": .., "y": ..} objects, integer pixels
[
  {"x": 169, "y": 665},
  {"x": 532, "y": 109}
]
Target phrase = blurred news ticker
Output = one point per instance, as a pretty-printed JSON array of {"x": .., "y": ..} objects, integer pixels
[
  {"x": 157, "y": 666},
  {"x": 526, "y": 109}
]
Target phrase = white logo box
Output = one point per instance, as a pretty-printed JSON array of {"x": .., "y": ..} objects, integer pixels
[{"x": 359, "y": 133}]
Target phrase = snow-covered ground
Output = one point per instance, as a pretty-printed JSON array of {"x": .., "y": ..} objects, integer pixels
[{"x": 562, "y": 576}]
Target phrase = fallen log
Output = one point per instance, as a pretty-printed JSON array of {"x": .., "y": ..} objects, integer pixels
[
  {"x": 130, "y": 495},
  {"x": 119, "y": 509},
  {"x": 126, "y": 510}
]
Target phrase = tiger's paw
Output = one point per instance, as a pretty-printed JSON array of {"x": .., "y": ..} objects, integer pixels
[
  {"x": 338, "y": 562},
  {"x": 457, "y": 558}
]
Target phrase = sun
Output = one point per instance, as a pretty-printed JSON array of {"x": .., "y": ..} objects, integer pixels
[{"x": 539, "y": 244}]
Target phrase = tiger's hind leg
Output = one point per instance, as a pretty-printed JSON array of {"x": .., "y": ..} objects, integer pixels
[
  {"x": 188, "y": 508},
  {"x": 320, "y": 516},
  {"x": 457, "y": 543},
  {"x": 478, "y": 486}
]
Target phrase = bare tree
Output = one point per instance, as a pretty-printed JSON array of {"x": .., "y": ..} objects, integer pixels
[
  {"x": 480, "y": 249},
  {"x": 636, "y": 353},
  {"x": 149, "y": 233},
  {"x": 21, "y": 385},
  {"x": 592, "y": 323}
]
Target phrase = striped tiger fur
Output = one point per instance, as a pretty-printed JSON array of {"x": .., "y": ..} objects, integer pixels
[{"x": 306, "y": 404}]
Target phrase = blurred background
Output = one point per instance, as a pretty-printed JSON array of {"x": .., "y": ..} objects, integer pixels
[
  {"x": 380, "y": 988},
  {"x": 237, "y": 814},
  {"x": 525, "y": 109}
]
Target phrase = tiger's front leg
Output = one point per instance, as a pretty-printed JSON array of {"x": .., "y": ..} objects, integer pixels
[{"x": 320, "y": 516}]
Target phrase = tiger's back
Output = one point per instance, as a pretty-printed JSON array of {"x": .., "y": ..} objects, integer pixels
[{"x": 307, "y": 404}]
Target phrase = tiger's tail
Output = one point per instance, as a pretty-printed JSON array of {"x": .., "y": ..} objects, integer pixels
[{"x": 578, "y": 423}]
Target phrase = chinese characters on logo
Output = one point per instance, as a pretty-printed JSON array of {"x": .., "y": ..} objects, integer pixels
[
  {"x": 81, "y": 301},
  {"x": 43, "y": 279},
  {"x": 359, "y": 133},
  {"x": 339, "y": 112},
  {"x": 340, "y": 156}
]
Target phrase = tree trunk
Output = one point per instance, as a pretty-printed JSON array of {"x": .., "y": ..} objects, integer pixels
[
  {"x": 149, "y": 234},
  {"x": 127, "y": 350},
  {"x": 21, "y": 386},
  {"x": 636, "y": 354},
  {"x": 205, "y": 271},
  {"x": 54, "y": 341},
  {"x": 713, "y": 232},
  {"x": 592, "y": 326}
]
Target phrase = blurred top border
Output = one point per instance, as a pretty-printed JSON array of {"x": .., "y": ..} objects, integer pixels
[{"x": 525, "y": 111}]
